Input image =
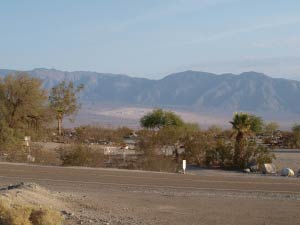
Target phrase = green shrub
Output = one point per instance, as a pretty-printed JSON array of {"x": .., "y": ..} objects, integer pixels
[
  {"x": 220, "y": 155},
  {"x": 259, "y": 154}
]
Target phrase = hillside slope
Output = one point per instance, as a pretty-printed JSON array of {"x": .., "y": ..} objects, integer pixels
[{"x": 193, "y": 90}]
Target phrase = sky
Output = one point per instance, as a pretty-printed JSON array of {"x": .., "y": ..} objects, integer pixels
[{"x": 152, "y": 38}]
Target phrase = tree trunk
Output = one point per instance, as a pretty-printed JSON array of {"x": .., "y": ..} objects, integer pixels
[
  {"x": 176, "y": 155},
  {"x": 59, "y": 126},
  {"x": 238, "y": 154}
]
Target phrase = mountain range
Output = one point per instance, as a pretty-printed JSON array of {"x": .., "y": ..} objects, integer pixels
[{"x": 191, "y": 90}]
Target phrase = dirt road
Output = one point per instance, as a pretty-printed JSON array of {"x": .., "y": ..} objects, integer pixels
[{"x": 108, "y": 196}]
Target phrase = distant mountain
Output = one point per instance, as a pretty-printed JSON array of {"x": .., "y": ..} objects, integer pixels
[{"x": 194, "y": 90}]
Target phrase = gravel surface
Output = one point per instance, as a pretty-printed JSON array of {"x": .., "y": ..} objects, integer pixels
[{"x": 96, "y": 196}]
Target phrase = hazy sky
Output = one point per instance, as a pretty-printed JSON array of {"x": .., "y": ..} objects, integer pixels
[{"x": 151, "y": 38}]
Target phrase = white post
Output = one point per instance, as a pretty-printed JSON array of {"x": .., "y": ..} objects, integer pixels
[
  {"x": 124, "y": 152},
  {"x": 184, "y": 166}
]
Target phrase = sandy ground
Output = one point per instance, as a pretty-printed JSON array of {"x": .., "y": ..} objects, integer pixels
[{"x": 103, "y": 196}]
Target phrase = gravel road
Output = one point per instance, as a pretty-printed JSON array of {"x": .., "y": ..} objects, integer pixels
[{"x": 110, "y": 196}]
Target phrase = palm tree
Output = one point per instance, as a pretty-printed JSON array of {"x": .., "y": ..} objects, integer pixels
[{"x": 241, "y": 124}]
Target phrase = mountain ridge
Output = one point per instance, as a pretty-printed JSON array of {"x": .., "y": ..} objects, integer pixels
[{"x": 194, "y": 90}]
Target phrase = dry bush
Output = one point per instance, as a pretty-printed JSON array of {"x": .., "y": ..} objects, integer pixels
[
  {"x": 20, "y": 153},
  {"x": 12, "y": 214},
  {"x": 160, "y": 163},
  {"x": 46, "y": 217},
  {"x": 81, "y": 155},
  {"x": 152, "y": 142},
  {"x": 130, "y": 162},
  {"x": 45, "y": 157},
  {"x": 97, "y": 134},
  {"x": 17, "y": 154},
  {"x": 199, "y": 148}
]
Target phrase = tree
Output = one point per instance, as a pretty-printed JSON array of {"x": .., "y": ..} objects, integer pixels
[
  {"x": 296, "y": 135},
  {"x": 244, "y": 125},
  {"x": 271, "y": 127},
  {"x": 23, "y": 109},
  {"x": 159, "y": 118},
  {"x": 257, "y": 124},
  {"x": 64, "y": 101},
  {"x": 241, "y": 124},
  {"x": 23, "y": 102},
  {"x": 7, "y": 137},
  {"x": 214, "y": 129},
  {"x": 198, "y": 145}
]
